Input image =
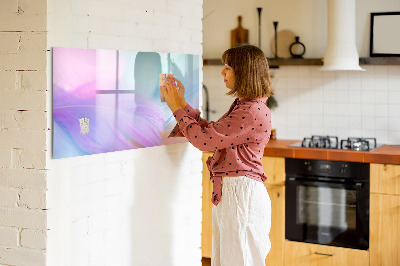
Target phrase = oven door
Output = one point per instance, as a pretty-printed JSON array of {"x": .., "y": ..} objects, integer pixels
[{"x": 327, "y": 213}]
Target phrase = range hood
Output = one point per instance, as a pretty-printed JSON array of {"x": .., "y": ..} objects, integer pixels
[{"x": 341, "y": 51}]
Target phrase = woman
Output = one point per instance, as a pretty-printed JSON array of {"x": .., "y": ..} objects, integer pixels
[{"x": 242, "y": 208}]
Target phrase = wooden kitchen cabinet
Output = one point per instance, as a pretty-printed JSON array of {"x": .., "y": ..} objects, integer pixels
[
  {"x": 385, "y": 178},
  {"x": 274, "y": 168},
  {"x": 277, "y": 233},
  {"x": 206, "y": 225},
  {"x": 384, "y": 236},
  {"x": 305, "y": 254}
]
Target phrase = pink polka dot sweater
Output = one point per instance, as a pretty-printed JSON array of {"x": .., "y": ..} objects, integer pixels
[{"x": 238, "y": 139}]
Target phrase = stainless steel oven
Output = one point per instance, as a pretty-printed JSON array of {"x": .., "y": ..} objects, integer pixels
[{"x": 327, "y": 202}]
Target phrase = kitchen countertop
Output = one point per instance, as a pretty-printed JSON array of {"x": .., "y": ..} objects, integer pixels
[{"x": 389, "y": 154}]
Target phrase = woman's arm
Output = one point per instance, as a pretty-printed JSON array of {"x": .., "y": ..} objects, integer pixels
[
  {"x": 175, "y": 98},
  {"x": 237, "y": 128}
]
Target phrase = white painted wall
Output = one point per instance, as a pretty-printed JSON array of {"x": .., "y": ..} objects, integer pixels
[
  {"x": 136, "y": 207},
  {"x": 23, "y": 133},
  {"x": 305, "y": 18},
  {"x": 311, "y": 102}
]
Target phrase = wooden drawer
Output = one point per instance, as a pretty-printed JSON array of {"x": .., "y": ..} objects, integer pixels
[{"x": 305, "y": 254}]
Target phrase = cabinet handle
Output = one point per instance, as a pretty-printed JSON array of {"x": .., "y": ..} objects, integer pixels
[{"x": 325, "y": 254}]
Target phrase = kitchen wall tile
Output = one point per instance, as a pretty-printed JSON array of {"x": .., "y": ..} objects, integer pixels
[
  {"x": 305, "y": 96},
  {"x": 380, "y": 71},
  {"x": 394, "y": 110},
  {"x": 342, "y": 80},
  {"x": 355, "y": 132},
  {"x": 278, "y": 83},
  {"x": 381, "y": 97},
  {"x": 304, "y": 109},
  {"x": 381, "y": 110},
  {"x": 366, "y": 99},
  {"x": 355, "y": 96},
  {"x": 367, "y": 110},
  {"x": 317, "y": 131},
  {"x": 304, "y": 72},
  {"x": 367, "y": 82},
  {"x": 354, "y": 80},
  {"x": 368, "y": 122},
  {"x": 342, "y": 133},
  {"x": 394, "y": 97},
  {"x": 315, "y": 72},
  {"x": 380, "y": 84},
  {"x": 291, "y": 133},
  {"x": 394, "y": 137},
  {"x": 381, "y": 123},
  {"x": 317, "y": 108},
  {"x": 394, "y": 123},
  {"x": 304, "y": 131},
  {"x": 394, "y": 83},
  {"x": 293, "y": 120},
  {"x": 367, "y": 133},
  {"x": 292, "y": 95},
  {"x": 342, "y": 96},
  {"x": 329, "y": 93},
  {"x": 342, "y": 122},
  {"x": 367, "y": 96},
  {"x": 291, "y": 71},
  {"x": 328, "y": 74},
  {"x": 304, "y": 82},
  {"x": 394, "y": 71},
  {"x": 316, "y": 82},
  {"x": 329, "y": 109},
  {"x": 317, "y": 95},
  {"x": 369, "y": 70},
  {"x": 292, "y": 83},
  {"x": 331, "y": 131},
  {"x": 355, "y": 122},
  {"x": 382, "y": 136},
  {"x": 355, "y": 109},
  {"x": 355, "y": 75},
  {"x": 329, "y": 122},
  {"x": 317, "y": 121},
  {"x": 342, "y": 109}
]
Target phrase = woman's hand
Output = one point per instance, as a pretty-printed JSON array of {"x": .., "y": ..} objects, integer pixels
[
  {"x": 181, "y": 92},
  {"x": 171, "y": 94}
]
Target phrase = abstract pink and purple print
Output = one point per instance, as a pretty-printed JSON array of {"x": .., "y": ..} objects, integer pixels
[{"x": 109, "y": 100}]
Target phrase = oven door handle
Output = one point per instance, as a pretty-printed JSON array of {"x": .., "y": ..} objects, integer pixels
[{"x": 357, "y": 185}]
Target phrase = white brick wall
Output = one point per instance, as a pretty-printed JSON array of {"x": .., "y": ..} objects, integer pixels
[
  {"x": 136, "y": 207},
  {"x": 23, "y": 132}
]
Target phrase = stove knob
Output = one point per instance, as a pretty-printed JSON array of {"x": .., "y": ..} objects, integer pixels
[
  {"x": 308, "y": 166},
  {"x": 343, "y": 168}
]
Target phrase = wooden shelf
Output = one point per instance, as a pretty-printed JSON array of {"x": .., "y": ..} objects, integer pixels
[
  {"x": 380, "y": 61},
  {"x": 274, "y": 63}
]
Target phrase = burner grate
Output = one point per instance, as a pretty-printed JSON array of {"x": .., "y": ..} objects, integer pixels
[
  {"x": 358, "y": 144},
  {"x": 327, "y": 142}
]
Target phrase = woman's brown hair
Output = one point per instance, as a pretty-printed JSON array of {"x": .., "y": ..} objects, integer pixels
[{"x": 250, "y": 66}]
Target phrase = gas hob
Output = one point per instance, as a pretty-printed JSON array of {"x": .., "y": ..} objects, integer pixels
[{"x": 332, "y": 142}]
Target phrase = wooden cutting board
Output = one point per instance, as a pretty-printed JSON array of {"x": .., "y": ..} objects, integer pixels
[{"x": 239, "y": 35}]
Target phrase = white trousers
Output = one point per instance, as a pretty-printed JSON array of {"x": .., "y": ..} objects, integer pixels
[{"x": 241, "y": 223}]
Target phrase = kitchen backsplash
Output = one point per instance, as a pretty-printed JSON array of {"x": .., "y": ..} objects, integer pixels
[{"x": 314, "y": 102}]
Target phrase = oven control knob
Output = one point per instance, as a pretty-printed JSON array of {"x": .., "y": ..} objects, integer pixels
[
  {"x": 308, "y": 166},
  {"x": 343, "y": 168}
]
